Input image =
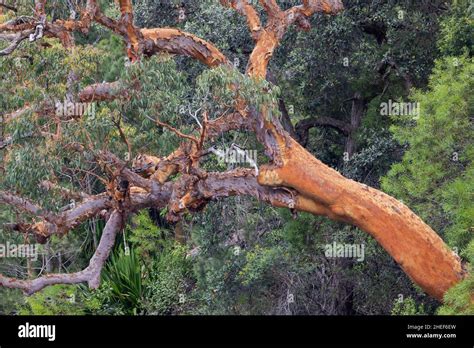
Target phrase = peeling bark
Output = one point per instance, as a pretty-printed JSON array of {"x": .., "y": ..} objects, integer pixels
[
  {"x": 175, "y": 41},
  {"x": 414, "y": 245},
  {"x": 295, "y": 179},
  {"x": 103, "y": 92}
]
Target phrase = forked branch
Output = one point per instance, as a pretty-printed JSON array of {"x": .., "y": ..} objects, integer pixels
[{"x": 91, "y": 274}]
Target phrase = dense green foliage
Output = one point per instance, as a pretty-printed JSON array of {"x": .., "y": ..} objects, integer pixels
[
  {"x": 435, "y": 176},
  {"x": 241, "y": 256}
]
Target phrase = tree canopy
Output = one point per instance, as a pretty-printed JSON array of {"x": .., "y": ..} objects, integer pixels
[{"x": 203, "y": 156}]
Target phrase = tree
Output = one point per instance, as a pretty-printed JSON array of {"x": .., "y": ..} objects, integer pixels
[
  {"x": 435, "y": 174},
  {"x": 293, "y": 178}
]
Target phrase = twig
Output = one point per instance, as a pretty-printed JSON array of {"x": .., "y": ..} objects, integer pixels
[
  {"x": 8, "y": 7},
  {"x": 174, "y": 130},
  {"x": 124, "y": 138}
]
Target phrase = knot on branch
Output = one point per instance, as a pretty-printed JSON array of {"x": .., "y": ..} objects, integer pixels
[
  {"x": 118, "y": 190},
  {"x": 38, "y": 230},
  {"x": 185, "y": 196},
  {"x": 154, "y": 168},
  {"x": 268, "y": 176}
]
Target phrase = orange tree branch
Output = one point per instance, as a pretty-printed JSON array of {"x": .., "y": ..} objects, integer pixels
[
  {"x": 132, "y": 36},
  {"x": 317, "y": 187},
  {"x": 244, "y": 8}
]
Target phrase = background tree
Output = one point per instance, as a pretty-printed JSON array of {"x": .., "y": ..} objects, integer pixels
[{"x": 166, "y": 85}]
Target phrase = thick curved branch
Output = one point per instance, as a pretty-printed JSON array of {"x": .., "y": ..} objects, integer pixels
[
  {"x": 25, "y": 205},
  {"x": 316, "y": 187},
  {"x": 420, "y": 252},
  {"x": 267, "y": 39},
  {"x": 244, "y": 8},
  {"x": 15, "y": 41},
  {"x": 51, "y": 223},
  {"x": 300, "y": 14},
  {"x": 8, "y": 7},
  {"x": 302, "y": 127},
  {"x": 132, "y": 33},
  {"x": 105, "y": 91},
  {"x": 91, "y": 274},
  {"x": 175, "y": 41}
]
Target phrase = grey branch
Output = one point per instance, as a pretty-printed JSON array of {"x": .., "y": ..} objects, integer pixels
[{"x": 91, "y": 274}]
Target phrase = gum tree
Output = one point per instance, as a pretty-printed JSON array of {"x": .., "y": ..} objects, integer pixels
[{"x": 292, "y": 178}]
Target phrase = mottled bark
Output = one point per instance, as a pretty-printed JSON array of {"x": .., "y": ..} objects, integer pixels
[
  {"x": 294, "y": 179},
  {"x": 420, "y": 252}
]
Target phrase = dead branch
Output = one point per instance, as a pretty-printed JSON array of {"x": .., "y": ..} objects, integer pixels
[{"x": 91, "y": 274}]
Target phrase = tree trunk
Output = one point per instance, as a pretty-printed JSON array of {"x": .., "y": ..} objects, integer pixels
[
  {"x": 314, "y": 187},
  {"x": 420, "y": 252},
  {"x": 357, "y": 112}
]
